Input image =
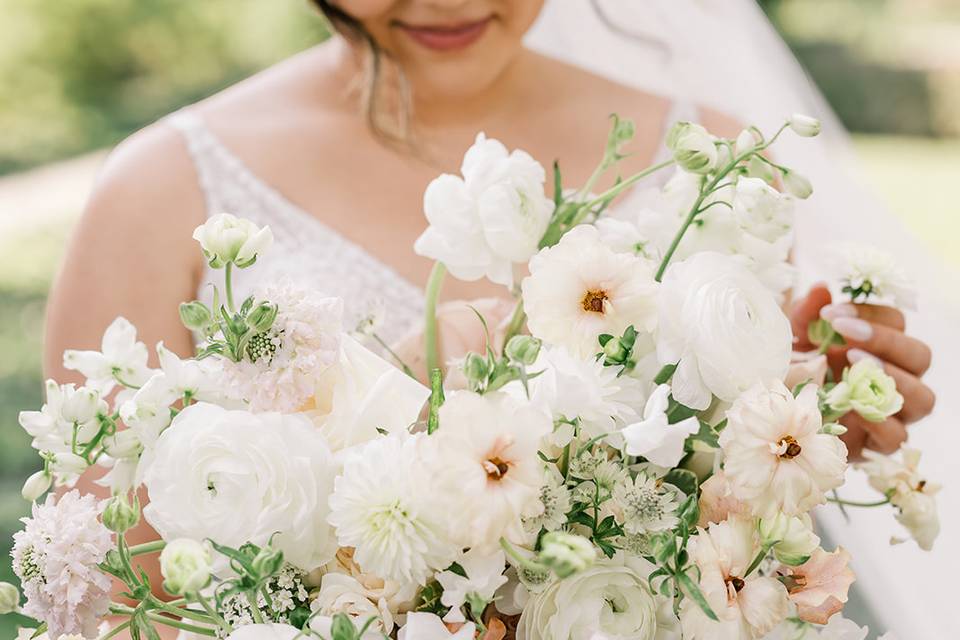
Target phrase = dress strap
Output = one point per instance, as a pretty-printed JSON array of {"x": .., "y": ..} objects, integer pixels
[{"x": 211, "y": 161}]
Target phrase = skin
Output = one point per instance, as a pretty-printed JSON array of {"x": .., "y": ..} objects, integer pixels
[{"x": 132, "y": 252}]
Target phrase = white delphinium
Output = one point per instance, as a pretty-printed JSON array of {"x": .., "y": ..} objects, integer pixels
[
  {"x": 653, "y": 438},
  {"x": 69, "y": 415},
  {"x": 282, "y": 365},
  {"x": 383, "y": 505},
  {"x": 747, "y": 606},
  {"x": 775, "y": 457},
  {"x": 867, "y": 271},
  {"x": 483, "y": 224},
  {"x": 909, "y": 491},
  {"x": 694, "y": 148},
  {"x": 121, "y": 359},
  {"x": 340, "y": 593},
  {"x": 722, "y": 326},
  {"x": 225, "y": 239},
  {"x": 555, "y": 498},
  {"x": 866, "y": 389},
  {"x": 647, "y": 504},
  {"x": 484, "y": 576},
  {"x": 429, "y": 626},
  {"x": 56, "y": 557},
  {"x": 761, "y": 210},
  {"x": 237, "y": 477},
  {"x": 581, "y": 288},
  {"x": 487, "y": 457}
]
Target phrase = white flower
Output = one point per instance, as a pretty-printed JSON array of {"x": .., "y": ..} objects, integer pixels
[
  {"x": 723, "y": 327},
  {"x": 555, "y": 498},
  {"x": 646, "y": 504},
  {"x": 866, "y": 271},
  {"x": 226, "y": 238},
  {"x": 775, "y": 457},
  {"x": 693, "y": 147},
  {"x": 484, "y": 576},
  {"x": 609, "y": 599},
  {"x": 797, "y": 185},
  {"x": 121, "y": 359},
  {"x": 487, "y": 458},
  {"x": 580, "y": 289},
  {"x": 70, "y": 414},
  {"x": 185, "y": 565},
  {"x": 428, "y": 626},
  {"x": 389, "y": 595},
  {"x": 362, "y": 394},
  {"x": 9, "y": 598},
  {"x": 340, "y": 593},
  {"x": 868, "y": 390},
  {"x": 747, "y": 606},
  {"x": 805, "y": 126},
  {"x": 237, "y": 477},
  {"x": 56, "y": 557},
  {"x": 653, "y": 438},
  {"x": 266, "y": 632},
  {"x": 791, "y": 537},
  {"x": 761, "y": 210},
  {"x": 36, "y": 485},
  {"x": 491, "y": 218},
  {"x": 383, "y": 505}
]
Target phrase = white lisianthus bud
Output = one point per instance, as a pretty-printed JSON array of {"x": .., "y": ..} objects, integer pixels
[
  {"x": 36, "y": 485},
  {"x": 68, "y": 463},
  {"x": 693, "y": 147},
  {"x": 120, "y": 515},
  {"x": 523, "y": 349},
  {"x": 745, "y": 141},
  {"x": 9, "y": 598},
  {"x": 804, "y": 125},
  {"x": 225, "y": 238},
  {"x": 185, "y": 565},
  {"x": 566, "y": 553},
  {"x": 791, "y": 538},
  {"x": 868, "y": 390},
  {"x": 797, "y": 185},
  {"x": 123, "y": 444}
]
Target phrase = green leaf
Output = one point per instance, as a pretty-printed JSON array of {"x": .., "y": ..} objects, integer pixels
[
  {"x": 821, "y": 332},
  {"x": 457, "y": 569},
  {"x": 693, "y": 591},
  {"x": 683, "y": 479},
  {"x": 665, "y": 374},
  {"x": 689, "y": 512}
]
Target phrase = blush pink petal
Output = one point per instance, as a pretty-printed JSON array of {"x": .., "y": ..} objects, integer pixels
[{"x": 827, "y": 578}]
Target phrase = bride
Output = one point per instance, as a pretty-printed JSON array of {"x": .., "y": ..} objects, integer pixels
[{"x": 333, "y": 148}]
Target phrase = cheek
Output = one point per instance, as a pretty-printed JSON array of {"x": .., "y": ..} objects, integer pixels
[
  {"x": 519, "y": 15},
  {"x": 365, "y": 9}
]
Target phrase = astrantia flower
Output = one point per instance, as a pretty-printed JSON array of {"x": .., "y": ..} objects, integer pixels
[
  {"x": 580, "y": 289},
  {"x": 283, "y": 364},
  {"x": 775, "y": 457},
  {"x": 492, "y": 218},
  {"x": 121, "y": 359},
  {"x": 383, "y": 506},
  {"x": 747, "y": 606},
  {"x": 868, "y": 390},
  {"x": 56, "y": 557},
  {"x": 866, "y": 271},
  {"x": 647, "y": 505},
  {"x": 725, "y": 330},
  {"x": 819, "y": 586},
  {"x": 653, "y": 438},
  {"x": 555, "y": 498}
]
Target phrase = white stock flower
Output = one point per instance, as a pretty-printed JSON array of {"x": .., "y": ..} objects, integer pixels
[
  {"x": 868, "y": 390},
  {"x": 484, "y": 576},
  {"x": 653, "y": 438},
  {"x": 609, "y": 599},
  {"x": 761, "y": 210},
  {"x": 722, "y": 326},
  {"x": 580, "y": 288},
  {"x": 775, "y": 457},
  {"x": 225, "y": 238},
  {"x": 866, "y": 271},
  {"x": 237, "y": 477},
  {"x": 428, "y": 626},
  {"x": 56, "y": 557},
  {"x": 492, "y": 218},
  {"x": 121, "y": 359},
  {"x": 340, "y": 593},
  {"x": 646, "y": 504},
  {"x": 384, "y": 506},
  {"x": 185, "y": 566},
  {"x": 265, "y": 632}
]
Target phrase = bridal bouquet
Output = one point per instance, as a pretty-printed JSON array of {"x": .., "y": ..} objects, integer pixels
[{"x": 635, "y": 454}]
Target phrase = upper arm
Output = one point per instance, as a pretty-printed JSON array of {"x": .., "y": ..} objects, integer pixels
[{"x": 719, "y": 123}]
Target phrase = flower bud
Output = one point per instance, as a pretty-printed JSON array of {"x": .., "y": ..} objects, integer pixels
[
  {"x": 68, "y": 463},
  {"x": 757, "y": 168},
  {"x": 267, "y": 562},
  {"x": 797, "y": 185},
  {"x": 791, "y": 538},
  {"x": 614, "y": 350},
  {"x": 9, "y": 598},
  {"x": 693, "y": 147},
  {"x": 804, "y": 125},
  {"x": 195, "y": 315},
  {"x": 833, "y": 429},
  {"x": 262, "y": 317},
  {"x": 523, "y": 349},
  {"x": 566, "y": 553},
  {"x": 475, "y": 367},
  {"x": 81, "y": 405},
  {"x": 746, "y": 141},
  {"x": 123, "y": 444},
  {"x": 227, "y": 239},
  {"x": 36, "y": 485},
  {"x": 120, "y": 515},
  {"x": 185, "y": 565}
]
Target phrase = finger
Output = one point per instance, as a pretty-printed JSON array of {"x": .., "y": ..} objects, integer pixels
[
  {"x": 806, "y": 311},
  {"x": 877, "y": 314},
  {"x": 918, "y": 398},
  {"x": 885, "y": 437},
  {"x": 885, "y": 343},
  {"x": 855, "y": 439}
]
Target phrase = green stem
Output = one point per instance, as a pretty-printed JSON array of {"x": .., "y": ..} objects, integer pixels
[
  {"x": 430, "y": 334},
  {"x": 170, "y": 622},
  {"x": 756, "y": 561},
  {"x": 516, "y": 323},
  {"x": 620, "y": 187},
  {"x": 180, "y": 612},
  {"x": 227, "y": 629},
  {"x": 147, "y": 547},
  {"x": 254, "y": 607},
  {"x": 228, "y": 285},
  {"x": 117, "y": 629},
  {"x": 527, "y": 563},
  {"x": 827, "y": 342},
  {"x": 854, "y": 503}
]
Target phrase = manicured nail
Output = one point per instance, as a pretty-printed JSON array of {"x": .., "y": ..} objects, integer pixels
[
  {"x": 853, "y": 328},
  {"x": 833, "y": 311},
  {"x": 856, "y": 355}
]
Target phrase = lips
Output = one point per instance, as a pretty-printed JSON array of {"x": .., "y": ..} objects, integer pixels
[{"x": 446, "y": 37}]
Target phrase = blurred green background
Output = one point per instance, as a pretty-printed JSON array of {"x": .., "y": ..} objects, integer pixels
[{"x": 78, "y": 76}]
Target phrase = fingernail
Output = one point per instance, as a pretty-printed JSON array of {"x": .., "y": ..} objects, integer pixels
[
  {"x": 853, "y": 328},
  {"x": 856, "y": 355},
  {"x": 833, "y": 311}
]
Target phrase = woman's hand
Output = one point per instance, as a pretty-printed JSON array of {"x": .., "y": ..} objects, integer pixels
[{"x": 871, "y": 331}]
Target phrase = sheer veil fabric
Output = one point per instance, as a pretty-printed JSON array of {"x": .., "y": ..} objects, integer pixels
[{"x": 724, "y": 54}]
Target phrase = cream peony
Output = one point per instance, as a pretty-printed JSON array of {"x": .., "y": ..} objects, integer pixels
[
  {"x": 580, "y": 289},
  {"x": 725, "y": 330},
  {"x": 492, "y": 218},
  {"x": 866, "y": 389},
  {"x": 775, "y": 457},
  {"x": 236, "y": 477}
]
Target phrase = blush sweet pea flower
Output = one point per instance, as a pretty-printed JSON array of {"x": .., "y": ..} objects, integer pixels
[{"x": 819, "y": 586}]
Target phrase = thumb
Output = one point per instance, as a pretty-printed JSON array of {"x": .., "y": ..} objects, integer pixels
[{"x": 805, "y": 311}]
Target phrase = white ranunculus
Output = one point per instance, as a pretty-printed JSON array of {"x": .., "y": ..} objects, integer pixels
[
  {"x": 225, "y": 238},
  {"x": 609, "y": 599},
  {"x": 492, "y": 218},
  {"x": 761, "y": 210},
  {"x": 580, "y": 288},
  {"x": 868, "y": 390},
  {"x": 185, "y": 565},
  {"x": 722, "y": 326},
  {"x": 237, "y": 477},
  {"x": 121, "y": 359},
  {"x": 653, "y": 438},
  {"x": 274, "y": 631}
]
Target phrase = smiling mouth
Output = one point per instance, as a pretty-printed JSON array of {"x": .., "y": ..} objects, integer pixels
[{"x": 446, "y": 37}]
